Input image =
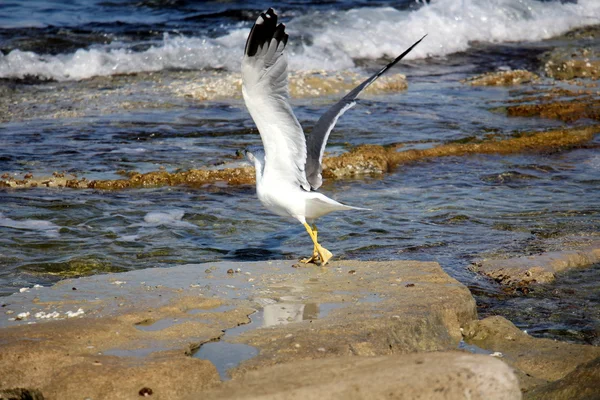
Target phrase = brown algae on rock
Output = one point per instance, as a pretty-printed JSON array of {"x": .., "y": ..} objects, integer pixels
[
  {"x": 564, "y": 110},
  {"x": 361, "y": 160},
  {"x": 567, "y": 64}
]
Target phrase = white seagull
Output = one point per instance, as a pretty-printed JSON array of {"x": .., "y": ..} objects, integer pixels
[{"x": 288, "y": 171}]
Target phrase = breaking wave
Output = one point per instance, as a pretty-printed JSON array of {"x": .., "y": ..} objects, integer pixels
[{"x": 329, "y": 40}]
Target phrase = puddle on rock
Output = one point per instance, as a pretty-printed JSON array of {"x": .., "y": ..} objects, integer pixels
[
  {"x": 223, "y": 308},
  {"x": 471, "y": 348},
  {"x": 285, "y": 313},
  {"x": 158, "y": 325},
  {"x": 143, "y": 352},
  {"x": 371, "y": 298},
  {"x": 226, "y": 355}
]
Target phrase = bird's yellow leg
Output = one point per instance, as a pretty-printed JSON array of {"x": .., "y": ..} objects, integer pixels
[
  {"x": 313, "y": 235},
  {"x": 315, "y": 254},
  {"x": 318, "y": 250}
]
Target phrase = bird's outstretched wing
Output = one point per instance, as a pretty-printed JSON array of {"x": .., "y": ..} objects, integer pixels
[
  {"x": 265, "y": 91},
  {"x": 318, "y": 138}
]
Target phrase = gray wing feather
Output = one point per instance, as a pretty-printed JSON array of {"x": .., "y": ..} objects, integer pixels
[
  {"x": 317, "y": 140},
  {"x": 265, "y": 91}
]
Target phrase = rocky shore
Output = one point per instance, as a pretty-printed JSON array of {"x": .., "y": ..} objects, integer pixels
[{"x": 352, "y": 330}]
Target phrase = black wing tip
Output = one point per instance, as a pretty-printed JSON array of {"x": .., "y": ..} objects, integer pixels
[
  {"x": 265, "y": 28},
  {"x": 401, "y": 56}
]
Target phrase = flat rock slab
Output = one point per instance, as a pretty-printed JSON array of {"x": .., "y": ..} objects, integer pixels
[
  {"x": 122, "y": 335},
  {"x": 542, "y": 268},
  {"x": 440, "y": 375}
]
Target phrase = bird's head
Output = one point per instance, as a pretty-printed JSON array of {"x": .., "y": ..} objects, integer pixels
[{"x": 255, "y": 155}]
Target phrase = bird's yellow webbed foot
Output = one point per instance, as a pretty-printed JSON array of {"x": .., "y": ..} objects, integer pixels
[
  {"x": 319, "y": 252},
  {"x": 311, "y": 259}
]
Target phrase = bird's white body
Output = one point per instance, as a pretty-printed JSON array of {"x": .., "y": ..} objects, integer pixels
[{"x": 289, "y": 200}]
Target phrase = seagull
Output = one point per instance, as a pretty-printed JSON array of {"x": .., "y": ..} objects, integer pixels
[{"x": 289, "y": 166}]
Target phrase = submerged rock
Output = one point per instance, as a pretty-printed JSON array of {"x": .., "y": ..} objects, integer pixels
[
  {"x": 503, "y": 78},
  {"x": 302, "y": 84},
  {"x": 523, "y": 271}
]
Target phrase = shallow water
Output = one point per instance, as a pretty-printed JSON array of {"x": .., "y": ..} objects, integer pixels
[{"x": 450, "y": 210}]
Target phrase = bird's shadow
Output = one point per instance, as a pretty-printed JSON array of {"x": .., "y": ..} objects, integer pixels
[{"x": 269, "y": 248}]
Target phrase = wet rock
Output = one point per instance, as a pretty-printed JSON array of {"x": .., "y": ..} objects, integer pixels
[
  {"x": 582, "y": 384},
  {"x": 567, "y": 64},
  {"x": 449, "y": 376},
  {"x": 503, "y": 78},
  {"x": 141, "y": 333},
  {"x": 523, "y": 271},
  {"x": 537, "y": 361}
]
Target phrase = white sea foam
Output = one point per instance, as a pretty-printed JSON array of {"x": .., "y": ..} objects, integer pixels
[
  {"x": 45, "y": 227},
  {"x": 359, "y": 33},
  {"x": 73, "y": 314},
  {"x": 169, "y": 217}
]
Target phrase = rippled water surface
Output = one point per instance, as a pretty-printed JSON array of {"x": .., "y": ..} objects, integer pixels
[{"x": 450, "y": 209}]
